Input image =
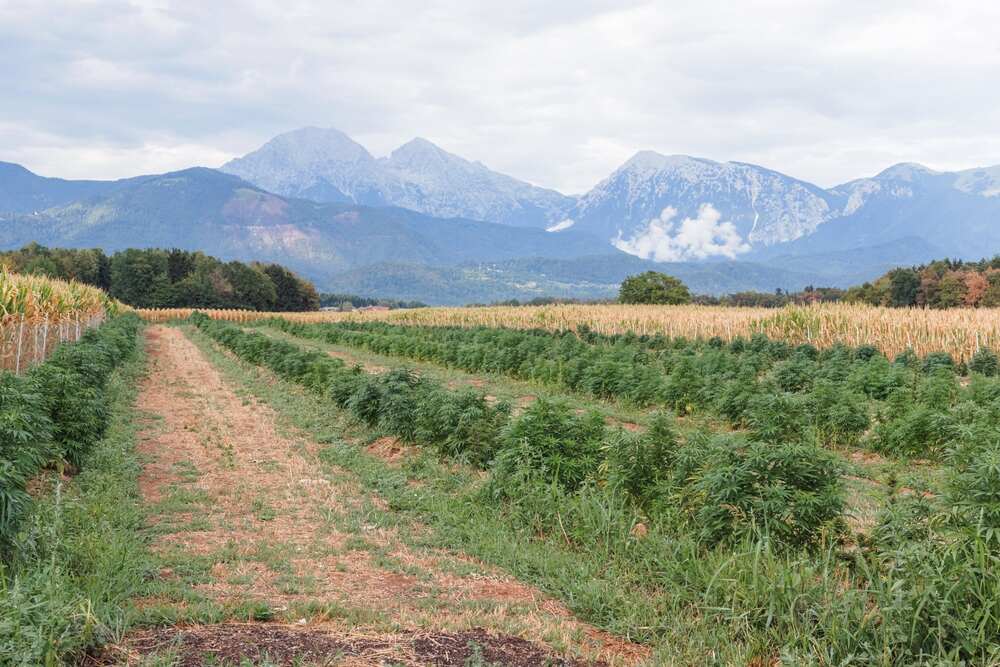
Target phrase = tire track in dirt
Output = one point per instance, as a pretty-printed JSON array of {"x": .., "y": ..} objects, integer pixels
[{"x": 278, "y": 536}]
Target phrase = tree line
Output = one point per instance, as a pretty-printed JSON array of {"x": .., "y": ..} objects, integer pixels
[
  {"x": 346, "y": 302},
  {"x": 155, "y": 278},
  {"x": 945, "y": 283}
]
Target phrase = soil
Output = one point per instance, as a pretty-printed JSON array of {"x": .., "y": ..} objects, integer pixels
[{"x": 233, "y": 644}]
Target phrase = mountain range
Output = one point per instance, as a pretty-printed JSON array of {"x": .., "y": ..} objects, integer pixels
[
  {"x": 659, "y": 207},
  {"x": 422, "y": 223}
]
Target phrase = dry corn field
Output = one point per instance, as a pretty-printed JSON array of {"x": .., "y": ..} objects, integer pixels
[
  {"x": 960, "y": 331},
  {"x": 37, "y": 313}
]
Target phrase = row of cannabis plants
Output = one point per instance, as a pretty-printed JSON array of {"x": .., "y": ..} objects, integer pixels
[
  {"x": 54, "y": 413},
  {"x": 843, "y": 396},
  {"x": 746, "y": 529}
]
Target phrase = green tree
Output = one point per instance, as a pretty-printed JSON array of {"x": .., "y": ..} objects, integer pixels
[
  {"x": 903, "y": 287},
  {"x": 653, "y": 287},
  {"x": 951, "y": 292},
  {"x": 294, "y": 294},
  {"x": 252, "y": 288},
  {"x": 139, "y": 278}
]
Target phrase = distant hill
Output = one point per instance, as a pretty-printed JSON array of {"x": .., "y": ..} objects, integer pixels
[
  {"x": 22, "y": 191},
  {"x": 957, "y": 214},
  {"x": 726, "y": 226},
  {"x": 595, "y": 277}
]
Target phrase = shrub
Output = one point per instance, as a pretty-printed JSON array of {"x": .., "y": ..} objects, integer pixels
[
  {"x": 920, "y": 431},
  {"x": 729, "y": 488},
  {"x": 25, "y": 446},
  {"x": 462, "y": 425},
  {"x": 57, "y": 411},
  {"x": 777, "y": 418},
  {"x": 938, "y": 360},
  {"x": 638, "y": 462},
  {"x": 985, "y": 362},
  {"x": 548, "y": 443},
  {"x": 974, "y": 493},
  {"x": 794, "y": 374},
  {"x": 839, "y": 415}
]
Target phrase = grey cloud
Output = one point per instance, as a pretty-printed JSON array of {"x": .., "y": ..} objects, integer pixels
[{"x": 556, "y": 93}]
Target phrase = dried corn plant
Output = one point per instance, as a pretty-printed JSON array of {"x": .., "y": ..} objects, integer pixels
[
  {"x": 38, "y": 313},
  {"x": 960, "y": 331}
]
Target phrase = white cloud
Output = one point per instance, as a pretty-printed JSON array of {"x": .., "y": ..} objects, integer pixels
[
  {"x": 702, "y": 237},
  {"x": 559, "y": 226}
]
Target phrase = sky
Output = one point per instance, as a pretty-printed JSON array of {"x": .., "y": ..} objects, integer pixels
[{"x": 557, "y": 93}]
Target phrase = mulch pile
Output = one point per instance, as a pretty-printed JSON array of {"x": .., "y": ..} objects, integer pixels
[{"x": 231, "y": 643}]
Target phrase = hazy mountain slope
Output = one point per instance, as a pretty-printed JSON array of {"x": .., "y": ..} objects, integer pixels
[
  {"x": 207, "y": 210},
  {"x": 660, "y": 207},
  {"x": 326, "y": 165},
  {"x": 853, "y": 266},
  {"x": 22, "y": 191},
  {"x": 958, "y": 214}
]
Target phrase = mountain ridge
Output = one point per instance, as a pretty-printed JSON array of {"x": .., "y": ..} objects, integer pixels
[
  {"x": 673, "y": 207},
  {"x": 418, "y": 175}
]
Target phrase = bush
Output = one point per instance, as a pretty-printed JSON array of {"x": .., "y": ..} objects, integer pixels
[
  {"x": 777, "y": 418},
  {"x": 550, "y": 444},
  {"x": 462, "y": 425},
  {"x": 985, "y": 362},
  {"x": 729, "y": 488},
  {"x": 25, "y": 446},
  {"x": 920, "y": 431},
  {"x": 974, "y": 493},
  {"x": 938, "y": 360},
  {"x": 840, "y": 416},
  {"x": 637, "y": 463}
]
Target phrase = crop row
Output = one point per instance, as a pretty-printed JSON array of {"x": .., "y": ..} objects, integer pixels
[
  {"x": 718, "y": 485},
  {"x": 761, "y": 512},
  {"x": 37, "y": 313},
  {"x": 56, "y": 411},
  {"x": 835, "y": 396}
]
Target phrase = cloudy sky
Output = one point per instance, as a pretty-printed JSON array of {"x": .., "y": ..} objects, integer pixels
[{"x": 558, "y": 93}]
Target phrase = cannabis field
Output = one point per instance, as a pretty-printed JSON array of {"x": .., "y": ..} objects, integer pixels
[{"x": 560, "y": 485}]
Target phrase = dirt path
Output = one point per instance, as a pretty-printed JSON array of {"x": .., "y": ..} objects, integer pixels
[{"x": 263, "y": 550}]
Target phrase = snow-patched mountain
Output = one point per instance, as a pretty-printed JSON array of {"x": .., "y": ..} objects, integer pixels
[
  {"x": 957, "y": 213},
  {"x": 673, "y": 208},
  {"x": 659, "y": 207},
  {"x": 328, "y": 166},
  {"x": 676, "y": 207},
  {"x": 323, "y": 165}
]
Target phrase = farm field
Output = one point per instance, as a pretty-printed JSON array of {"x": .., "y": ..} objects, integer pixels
[
  {"x": 427, "y": 488},
  {"x": 960, "y": 332}
]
